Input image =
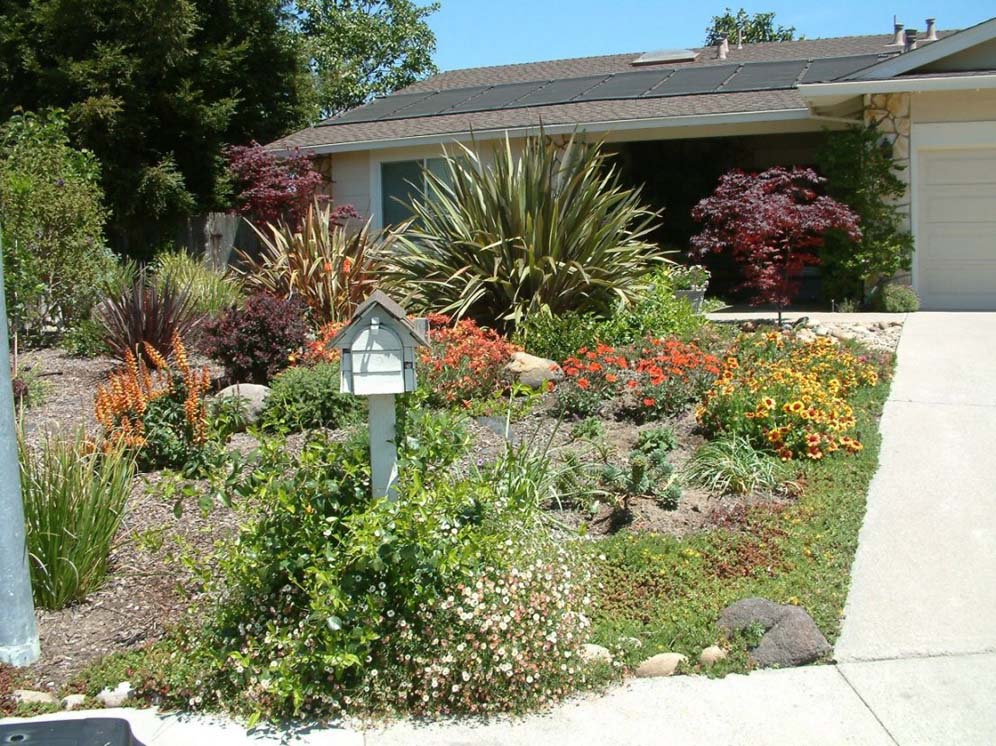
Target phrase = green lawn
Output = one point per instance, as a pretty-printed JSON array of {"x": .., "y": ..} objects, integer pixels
[{"x": 668, "y": 592}]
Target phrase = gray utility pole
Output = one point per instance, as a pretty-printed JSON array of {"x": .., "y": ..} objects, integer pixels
[{"x": 18, "y": 632}]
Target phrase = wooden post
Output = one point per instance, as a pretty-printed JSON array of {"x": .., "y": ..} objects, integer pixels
[{"x": 383, "y": 448}]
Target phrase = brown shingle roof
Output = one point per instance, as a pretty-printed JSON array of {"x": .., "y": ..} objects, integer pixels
[
  {"x": 580, "y": 113},
  {"x": 588, "y": 112},
  {"x": 844, "y": 46}
]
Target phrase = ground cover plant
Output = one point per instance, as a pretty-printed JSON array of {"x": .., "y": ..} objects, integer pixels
[{"x": 667, "y": 592}]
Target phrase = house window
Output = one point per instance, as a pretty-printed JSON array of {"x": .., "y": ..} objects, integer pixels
[{"x": 401, "y": 182}]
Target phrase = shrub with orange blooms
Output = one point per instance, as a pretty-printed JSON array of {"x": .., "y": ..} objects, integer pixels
[
  {"x": 319, "y": 349},
  {"x": 463, "y": 361},
  {"x": 657, "y": 379},
  {"x": 159, "y": 410},
  {"x": 787, "y": 396}
]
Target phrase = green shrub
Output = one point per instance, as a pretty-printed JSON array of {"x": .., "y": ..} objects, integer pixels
[
  {"x": 732, "y": 465},
  {"x": 53, "y": 216},
  {"x": 303, "y": 398},
  {"x": 211, "y": 291},
  {"x": 895, "y": 299},
  {"x": 85, "y": 339},
  {"x": 863, "y": 175},
  {"x": 328, "y": 600},
  {"x": 658, "y": 314},
  {"x": 74, "y": 499},
  {"x": 550, "y": 229}
]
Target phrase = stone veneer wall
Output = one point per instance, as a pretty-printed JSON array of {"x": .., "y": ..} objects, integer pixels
[{"x": 890, "y": 114}]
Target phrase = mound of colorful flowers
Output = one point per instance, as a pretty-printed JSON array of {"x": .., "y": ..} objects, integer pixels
[{"x": 788, "y": 396}]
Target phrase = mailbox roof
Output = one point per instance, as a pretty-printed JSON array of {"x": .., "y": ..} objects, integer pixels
[{"x": 386, "y": 303}]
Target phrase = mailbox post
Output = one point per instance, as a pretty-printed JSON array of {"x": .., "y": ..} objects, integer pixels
[{"x": 378, "y": 348}]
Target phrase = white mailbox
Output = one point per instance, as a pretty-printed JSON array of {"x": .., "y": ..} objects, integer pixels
[{"x": 378, "y": 348}]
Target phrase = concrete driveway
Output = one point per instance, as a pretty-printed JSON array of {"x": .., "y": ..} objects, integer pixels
[{"x": 917, "y": 657}]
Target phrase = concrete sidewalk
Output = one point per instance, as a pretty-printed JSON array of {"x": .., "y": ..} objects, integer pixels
[{"x": 917, "y": 657}]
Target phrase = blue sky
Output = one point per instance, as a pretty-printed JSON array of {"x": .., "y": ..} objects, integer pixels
[{"x": 470, "y": 33}]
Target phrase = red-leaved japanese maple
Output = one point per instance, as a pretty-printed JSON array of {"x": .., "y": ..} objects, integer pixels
[
  {"x": 271, "y": 188},
  {"x": 771, "y": 223}
]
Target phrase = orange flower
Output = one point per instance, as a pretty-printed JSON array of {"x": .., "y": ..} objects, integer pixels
[
  {"x": 648, "y": 402},
  {"x": 584, "y": 383},
  {"x": 611, "y": 377}
]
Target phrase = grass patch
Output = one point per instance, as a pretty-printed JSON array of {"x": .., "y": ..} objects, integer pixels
[{"x": 668, "y": 592}]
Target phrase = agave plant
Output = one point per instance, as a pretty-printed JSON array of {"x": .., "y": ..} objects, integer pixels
[
  {"x": 146, "y": 312},
  {"x": 551, "y": 229},
  {"x": 331, "y": 268}
]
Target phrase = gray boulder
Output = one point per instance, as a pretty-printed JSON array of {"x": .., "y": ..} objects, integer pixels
[
  {"x": 748, "y": 612},
  {"x": 791, "y": 637},
  {"x": 253, "y": 397},
  {"x": 533, "y": 371}
]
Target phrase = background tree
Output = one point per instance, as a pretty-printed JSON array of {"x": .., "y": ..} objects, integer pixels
[
  {"x": 155, "y": 88},
  {"x": 52, "y": 218},
  {"x": 362, "y": 48},
  {"x": 755, "y": 28},
  {"x": 772, "y": 223},
  {"x": 860, "y": 173}
]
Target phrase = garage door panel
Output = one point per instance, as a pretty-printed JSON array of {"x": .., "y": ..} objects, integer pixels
[
  {"x": 958, "y": 203},
  {"x": 956, "y": 229},
  {"x": 960, "y": 167}
]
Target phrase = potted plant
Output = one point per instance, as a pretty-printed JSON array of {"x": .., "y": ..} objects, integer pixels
[{"x": 690, "y": 282}]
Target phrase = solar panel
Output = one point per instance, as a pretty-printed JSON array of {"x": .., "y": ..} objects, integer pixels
[
  {"x": 560, "y": 91},
  {"x": 703, "y": 79},
  {"x": 831, "y": 69},
  {"x": 496, "y": 97},
  {"x": 625, "y": 85},
  {"x": 438, "y": 103},
  {"x": 765, "y": 76},
  {"x": 377, "y": 108}
]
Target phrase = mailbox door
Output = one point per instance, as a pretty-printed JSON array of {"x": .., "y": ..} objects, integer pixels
[{"x": 377, "y": 362}]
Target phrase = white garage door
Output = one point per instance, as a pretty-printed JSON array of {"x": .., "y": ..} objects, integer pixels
[{"x": 956, "y": 232}]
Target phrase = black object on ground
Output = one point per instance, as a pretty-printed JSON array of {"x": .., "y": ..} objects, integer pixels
[{"x": 82, "y": 732}]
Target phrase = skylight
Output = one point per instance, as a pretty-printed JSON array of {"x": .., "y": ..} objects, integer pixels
[{"x": 663, "y": 56}]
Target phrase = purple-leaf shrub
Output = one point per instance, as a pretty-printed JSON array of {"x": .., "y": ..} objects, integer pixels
[{"x": 771, "y": 223}]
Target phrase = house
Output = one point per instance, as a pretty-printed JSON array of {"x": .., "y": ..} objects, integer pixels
[{"x": 674, "y": 114}]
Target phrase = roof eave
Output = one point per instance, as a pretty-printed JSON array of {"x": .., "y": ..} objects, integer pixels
[
  {"x": 619, "y": 125},
  {"x": 830, "y": 93}
]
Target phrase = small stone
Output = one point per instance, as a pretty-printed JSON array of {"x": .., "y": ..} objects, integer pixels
[
  {"x": 822, "y": 331},
  {"x": 631, "y": 642},
  {"x": 33, "y": 697},
  {"x": 662, "y": 664},
  {"x": 591, "y": 653},
  {"x": 533, "y": 371},
  {"x": 73, "y": 701},
  {"x": 115, "y": 697},
  {"x": 253, "y": 397},
  {"x": 806, "y": 336},
  {"x": 711, "y": 655}
]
